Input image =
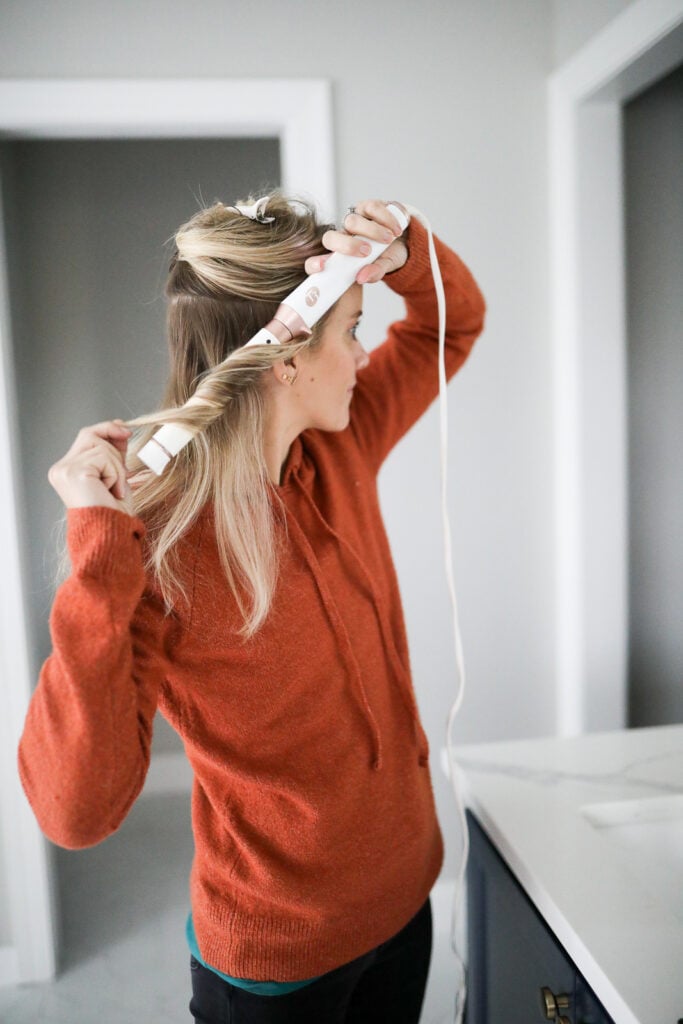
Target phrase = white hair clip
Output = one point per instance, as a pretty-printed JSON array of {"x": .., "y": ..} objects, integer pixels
[{"x": 255, "y": 211}]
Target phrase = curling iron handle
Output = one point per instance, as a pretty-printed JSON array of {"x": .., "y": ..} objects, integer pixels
[{"x": 317, "y": 293}]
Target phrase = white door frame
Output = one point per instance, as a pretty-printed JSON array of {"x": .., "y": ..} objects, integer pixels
[
  {"x": 588, "y": 324},
  {"x": 299, "y": 114}
]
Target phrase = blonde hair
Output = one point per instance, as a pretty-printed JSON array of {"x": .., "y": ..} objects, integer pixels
[{"x": 226, "y": 279}]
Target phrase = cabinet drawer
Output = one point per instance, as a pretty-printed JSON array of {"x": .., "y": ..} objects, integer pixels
[{"x": 512, "y": 952}]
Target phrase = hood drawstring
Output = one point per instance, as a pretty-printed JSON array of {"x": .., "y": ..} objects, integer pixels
[
  {"x": 342, "y": 633},
  {"x": 402, "y": 676}
]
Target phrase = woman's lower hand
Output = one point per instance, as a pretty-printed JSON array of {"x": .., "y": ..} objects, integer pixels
[
  {"x": 93, "y": 471},
  {"x": 367, "y": 219}
]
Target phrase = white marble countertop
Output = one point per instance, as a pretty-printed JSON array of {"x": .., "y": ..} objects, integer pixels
[{"x": 592, "y": 827}]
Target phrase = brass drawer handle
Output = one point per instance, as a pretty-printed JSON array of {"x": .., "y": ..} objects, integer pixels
[{"x": 552, "y": 1005}]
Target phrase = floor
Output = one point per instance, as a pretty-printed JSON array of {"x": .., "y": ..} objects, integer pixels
[{"x": 123, "y": 907}]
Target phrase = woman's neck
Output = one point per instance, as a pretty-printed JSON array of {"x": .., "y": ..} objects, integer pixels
[{"x": 278, "y": 435}]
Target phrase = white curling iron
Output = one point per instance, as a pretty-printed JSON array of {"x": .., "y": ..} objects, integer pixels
[{"x": 294, "y": 318}]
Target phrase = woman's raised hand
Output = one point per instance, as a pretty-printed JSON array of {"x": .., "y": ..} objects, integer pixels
[
  {"x": 93, "y": 471},
  {"x": 371, "y": 219}
]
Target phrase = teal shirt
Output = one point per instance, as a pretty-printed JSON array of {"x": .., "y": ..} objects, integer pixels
[{"x": 259, "y": 988}]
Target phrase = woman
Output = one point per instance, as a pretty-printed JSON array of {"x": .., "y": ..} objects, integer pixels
[{"x": 249, "y": 593}]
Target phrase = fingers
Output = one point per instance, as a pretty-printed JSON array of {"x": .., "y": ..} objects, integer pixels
[
  {"x": 316, "y": 263},
  {"x": 373, "y": 219},
  {"x": 391, "y": 259},
  {"x": 351, "y": 244},
  {"x": 358, "y": 224},
  {"x": 369, "y": 220},
  {"x": 112, "y": 431},
  {"x": 93, "y": 471}
]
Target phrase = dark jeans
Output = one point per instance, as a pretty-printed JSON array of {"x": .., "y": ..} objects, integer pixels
[{"x": 384, "y": 986}]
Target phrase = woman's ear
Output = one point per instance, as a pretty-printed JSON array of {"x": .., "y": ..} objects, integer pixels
[{"x": 285, "y": 371}]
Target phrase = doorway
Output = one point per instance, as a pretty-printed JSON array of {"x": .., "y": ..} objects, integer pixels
[{"x": 653, "y": 158}]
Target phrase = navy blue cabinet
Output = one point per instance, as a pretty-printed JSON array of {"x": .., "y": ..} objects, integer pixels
[{"x": 518, "y": 971}]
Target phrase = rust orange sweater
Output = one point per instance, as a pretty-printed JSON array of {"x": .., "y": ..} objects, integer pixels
[{"x": 316, "y": 836}]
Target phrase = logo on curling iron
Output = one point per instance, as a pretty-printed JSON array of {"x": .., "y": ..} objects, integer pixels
[{"x": 312, "y": 296}]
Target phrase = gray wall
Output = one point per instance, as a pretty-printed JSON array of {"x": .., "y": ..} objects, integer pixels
[{"x": 653, "y": 152}]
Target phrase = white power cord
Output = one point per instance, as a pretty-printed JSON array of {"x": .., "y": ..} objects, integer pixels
[{"x": 461, "y": 992}]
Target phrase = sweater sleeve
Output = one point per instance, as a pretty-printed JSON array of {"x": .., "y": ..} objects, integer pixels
[
  {"x": 85, "y": 747},
  {"x": 401, "y": 380}
]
